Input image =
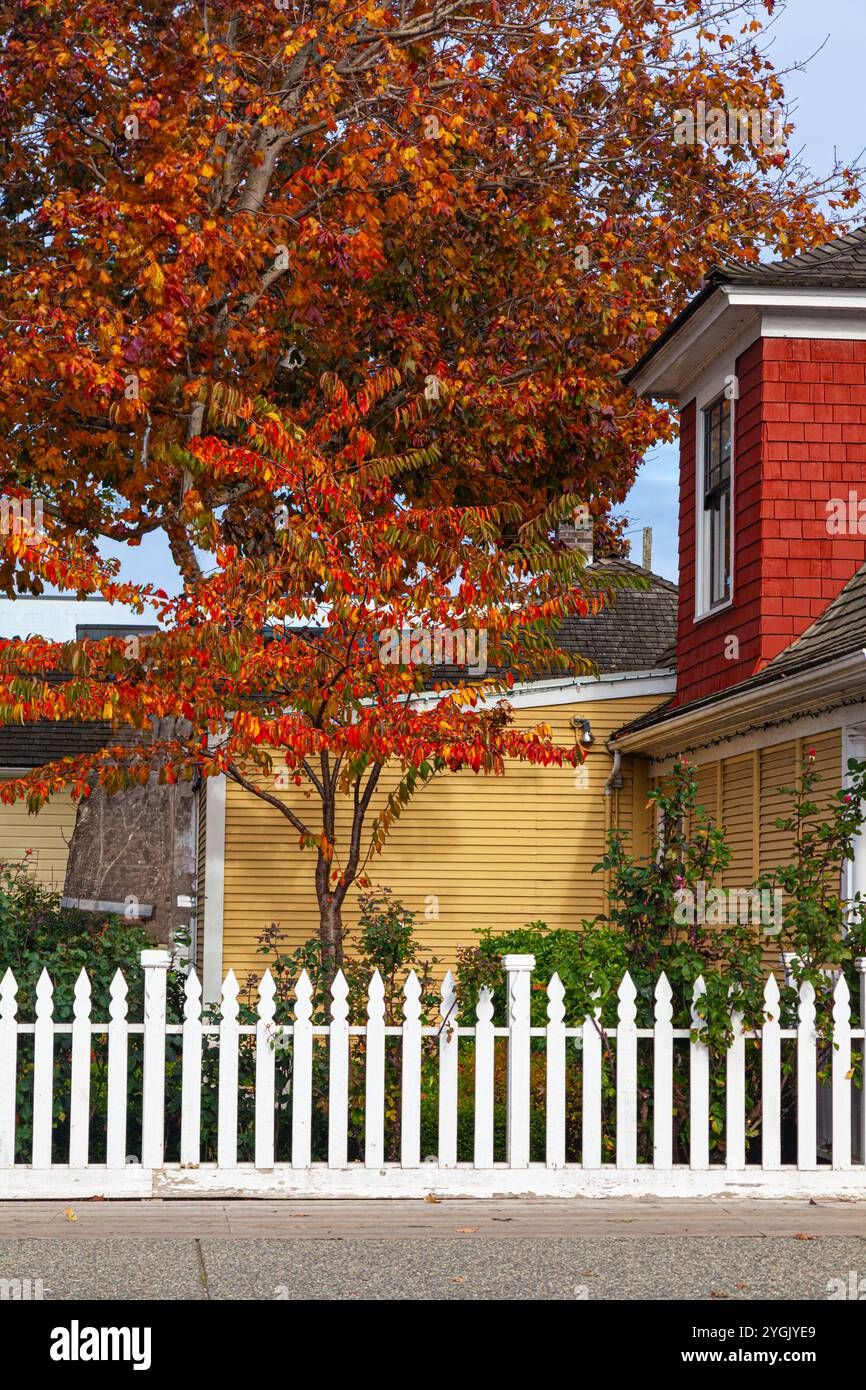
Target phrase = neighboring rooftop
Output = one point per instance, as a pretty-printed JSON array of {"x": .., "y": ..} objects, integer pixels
[{"x": 838, "y": 265}]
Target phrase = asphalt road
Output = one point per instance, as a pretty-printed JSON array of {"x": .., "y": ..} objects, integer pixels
[{"x": 458, "y": 1250}]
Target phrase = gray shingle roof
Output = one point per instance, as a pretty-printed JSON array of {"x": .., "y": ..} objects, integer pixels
[
  {"x": 33, "y": 745},
  {"x": 635, "y": 630},
  {"x": 839, "y": 264}
]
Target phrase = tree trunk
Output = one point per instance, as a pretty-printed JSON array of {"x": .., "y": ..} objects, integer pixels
[{"x": 330, "y": 923}]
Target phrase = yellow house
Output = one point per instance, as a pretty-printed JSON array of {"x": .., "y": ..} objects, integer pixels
[{"x": 471, "y": 852}]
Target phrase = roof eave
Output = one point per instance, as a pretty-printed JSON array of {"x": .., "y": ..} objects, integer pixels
[{"x": 729, "y": 715}]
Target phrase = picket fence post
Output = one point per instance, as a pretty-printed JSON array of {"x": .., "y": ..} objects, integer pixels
[
  {"x": 771, "y": 1078},
  {"x": 338, "y": 1074},
  {"x": 43, "y": 1071},
  {"x": 410, "y": 1074},
  {"x": 663, "y": 1074},
  {"x": 190, "y": 1085},
  {"x": 518, "y": 973},
  {"x": 374, "y": 1088},
  {"x": 841, "y": 1075},
  {"x": 265, "y": 1072},
  {"x": 699, "y": 1085},
  {"x": 155, "y": 966},
  {"x": 626, "y": 1075},
  {"x": 555, "y": 1098},
  {"x": 79, "y": 1099},
  {"x": 448, "y": 1055},
  {"x": 592, "y": 1051},
  {"x": 807, "y": 1131},
  {"x": 8, "y": 1067},
  {"x": 485, "y": 1042},
  {"x": 302, "y": 1073},
  {"x": 735, "y": 1093},
  {"x": 860, "y": 967},
  {"x": 227, "y": 1086},
  {"x": 118, "y": 1069}
]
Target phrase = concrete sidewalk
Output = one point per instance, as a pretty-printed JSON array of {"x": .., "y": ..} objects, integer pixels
[
  {"x": 447, "y": 1250},
  {"x": 396, "y": 1219}
]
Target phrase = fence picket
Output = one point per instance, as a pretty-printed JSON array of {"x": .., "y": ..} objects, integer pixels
[
  {"x": 699, "y": 1086},
  {"x": 302, "y": 1073},
  {"x": 155, "y": 965},
  {"x": 8, "y": 1067},
  {"x": 735, "y": 1096},
  {"x": 626, "y": 1075},
  {"x": 374, "y": 1088},
  {"x": 190, "y": 1085},
  {"x": 555, "y": 1095},
  {"x": 485, "y": 1043},
  {"x": 79, "y": 1092},
  {"x": 663, "y": 1074},
  {"x": 118, "y": 1073},
  {"x": 43, "y": 1071},
  {"x": 771, "y": 1078},
  {"x": 410, "y": 1074},
  {"x": 338, "y": 1074},
  {"x": 841, "y": 1075},
  {"x": 860, "y": 967},
  {"x": 265, "y": 1072},
  {"x": 518, "y": 970},
  {"x": 227, "y": 1103},
  {"x": 591, "y": 1136},
  {"x": 448, "y": 1056},
  {"x": 807, "y": 1136}
]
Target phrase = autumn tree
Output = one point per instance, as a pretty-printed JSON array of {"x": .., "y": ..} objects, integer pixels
[
  {"x": 372, "y": 272},
  {"x": 299, "y": 672},
  {"x": 489, "y": 198}
]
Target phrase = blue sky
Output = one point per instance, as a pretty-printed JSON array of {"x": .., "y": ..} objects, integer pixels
[
  {"x": 830, "y": 115},
  {"x": 829, "y": 112}
]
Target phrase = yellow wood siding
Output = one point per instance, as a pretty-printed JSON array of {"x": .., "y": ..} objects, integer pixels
[
  {"x": 738, "y": 819},
  {"x": 48, "y": 834},
  {"x": 479, "y": 851}
]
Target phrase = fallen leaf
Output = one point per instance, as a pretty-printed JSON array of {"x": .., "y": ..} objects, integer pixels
[
  {"x": 716, "y": 1293},
  {"x": 801, "y": 1235},
  {"x": 70, "y": 1214},
  {"x": 458, "y": 1279},
  {"x": 466, "y": 1230},
  {"x": 741, "y": 1286},
  {"x": 431, "y": 1198}
]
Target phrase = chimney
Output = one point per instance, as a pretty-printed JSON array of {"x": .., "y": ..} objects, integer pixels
[
  {"x": 576, "y": 534},
  {"x": 648, "y": 548}
]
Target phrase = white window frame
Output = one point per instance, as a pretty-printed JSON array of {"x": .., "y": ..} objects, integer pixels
[{"x": 710, "y": 390}]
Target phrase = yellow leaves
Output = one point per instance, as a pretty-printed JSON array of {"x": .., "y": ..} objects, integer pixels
[
  {"x": 207, "y": 171},
  {"x": 108, "y": 710}
]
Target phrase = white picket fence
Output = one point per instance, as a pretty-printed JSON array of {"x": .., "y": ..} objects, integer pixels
[{"x": 414, "y": 1174}]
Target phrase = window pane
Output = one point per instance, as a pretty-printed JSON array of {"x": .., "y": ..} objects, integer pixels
[{"x": 717, "y": 500}]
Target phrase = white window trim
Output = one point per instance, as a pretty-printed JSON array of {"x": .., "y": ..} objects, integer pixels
[{"x": 711, "y": 388}]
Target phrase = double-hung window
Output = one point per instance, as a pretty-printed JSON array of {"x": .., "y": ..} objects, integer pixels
[{"x": 715, "y": 497}]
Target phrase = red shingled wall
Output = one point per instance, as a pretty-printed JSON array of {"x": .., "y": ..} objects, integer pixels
[{"x": 800, "y": 440}]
